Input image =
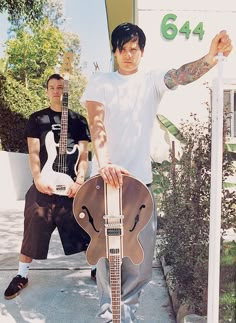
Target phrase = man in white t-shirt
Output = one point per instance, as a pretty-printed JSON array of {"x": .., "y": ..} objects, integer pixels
[{"x": 122, "y": 107}]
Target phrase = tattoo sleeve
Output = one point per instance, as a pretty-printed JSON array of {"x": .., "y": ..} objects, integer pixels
[{"x": 187, "y": 73}]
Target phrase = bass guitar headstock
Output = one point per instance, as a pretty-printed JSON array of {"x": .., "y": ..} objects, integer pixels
[{"x": 66, "y": 68}]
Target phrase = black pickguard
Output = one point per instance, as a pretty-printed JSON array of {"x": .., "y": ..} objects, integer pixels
[{"x": 65, "y": 163}]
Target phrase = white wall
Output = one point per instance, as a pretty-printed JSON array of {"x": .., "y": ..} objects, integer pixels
[
  {"x": 15, "y": 177},
  {"x": 166, "y": 54}
]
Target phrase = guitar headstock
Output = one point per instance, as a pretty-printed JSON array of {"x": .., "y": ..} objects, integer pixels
[{"x": 66, "y": 68}]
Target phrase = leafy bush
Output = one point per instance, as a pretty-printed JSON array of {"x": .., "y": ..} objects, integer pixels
[
  {"x": 16, "y": 104},
  {"x": 22, "y": 9},
  {"x": 185, "y": 203}
]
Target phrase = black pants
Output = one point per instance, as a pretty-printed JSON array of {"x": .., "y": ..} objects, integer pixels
[{"x": 42, "y": 214}]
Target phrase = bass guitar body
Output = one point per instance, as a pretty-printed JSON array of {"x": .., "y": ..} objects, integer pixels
[{"x": 60, "y": 169}]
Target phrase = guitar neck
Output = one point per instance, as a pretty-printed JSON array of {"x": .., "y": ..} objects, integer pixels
[
  {"x": 64, "y": 120},
  {"x": 115, "y": 284},
  {"x": 114, "y": 245}
]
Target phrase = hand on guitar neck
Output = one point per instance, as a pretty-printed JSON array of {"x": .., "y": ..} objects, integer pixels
[{"x": 112, "y": 174}]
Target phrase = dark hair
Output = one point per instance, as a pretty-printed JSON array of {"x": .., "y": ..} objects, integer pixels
[
  {"x": 125, "y": 32},
  {"x": 54, "y": 76}
]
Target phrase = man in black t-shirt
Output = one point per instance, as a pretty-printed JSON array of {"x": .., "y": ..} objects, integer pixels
[{"x": 45, "y": 210}]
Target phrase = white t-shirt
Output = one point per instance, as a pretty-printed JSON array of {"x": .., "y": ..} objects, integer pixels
[{"x": 130, "y": 103}]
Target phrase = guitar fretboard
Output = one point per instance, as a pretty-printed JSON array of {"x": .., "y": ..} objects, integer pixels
[
  {"x": 115, "y": 283},
  {"x": 64, "y": 120}
]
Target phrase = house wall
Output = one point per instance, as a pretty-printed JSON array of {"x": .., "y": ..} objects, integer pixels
[{"x": 167, "y": 54}]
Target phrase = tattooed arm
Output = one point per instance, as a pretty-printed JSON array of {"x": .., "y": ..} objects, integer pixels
[
  {"x": 187, "y": 73},
  {"x": 192, "y": 71}
]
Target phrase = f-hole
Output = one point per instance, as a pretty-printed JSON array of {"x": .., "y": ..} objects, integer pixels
[
  {"x": 90, "y": 218},
  {"x": 137, "y": 217}
]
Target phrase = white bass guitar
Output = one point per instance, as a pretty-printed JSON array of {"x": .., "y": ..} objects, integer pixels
[{"x": 61, "y": 166}]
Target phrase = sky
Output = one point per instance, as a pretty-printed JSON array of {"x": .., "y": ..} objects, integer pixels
[
  {"x": 4, "y": 25},
  {"x": 88, "y": 20}
]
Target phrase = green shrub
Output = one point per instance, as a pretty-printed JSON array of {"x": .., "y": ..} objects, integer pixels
[
  {"x": 16, "y": 104},
  {"x": 185, "y": 203}
]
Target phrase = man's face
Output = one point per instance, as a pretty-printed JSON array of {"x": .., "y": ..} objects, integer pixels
[
  {"x": 129, "y": 57},
  {"x": 55, "y": 91}
]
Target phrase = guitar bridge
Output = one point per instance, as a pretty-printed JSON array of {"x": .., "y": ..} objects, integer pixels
[
  {"x": 114, "y": 232},
  {"x": 117, "y": 218}
]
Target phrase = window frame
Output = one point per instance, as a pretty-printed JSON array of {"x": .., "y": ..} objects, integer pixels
[{"x": 230, "y": 86}]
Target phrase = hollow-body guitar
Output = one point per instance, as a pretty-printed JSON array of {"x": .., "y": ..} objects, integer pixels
[{"x": 113, "y": 218}]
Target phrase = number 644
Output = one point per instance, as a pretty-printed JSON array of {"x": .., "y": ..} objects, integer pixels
[{"x": 169, "y": 30}]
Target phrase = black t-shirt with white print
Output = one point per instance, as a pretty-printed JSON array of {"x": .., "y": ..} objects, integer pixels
[{"x": 43, "y": 121}]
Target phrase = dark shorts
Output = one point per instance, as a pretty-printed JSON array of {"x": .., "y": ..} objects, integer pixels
[{"x": 42, "y": 214}]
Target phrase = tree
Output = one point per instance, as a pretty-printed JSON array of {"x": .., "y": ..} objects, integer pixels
[
  {"x": 28, "y": 10},
  {"x": 53, "y": 10},
  {"x": 33, "y": 53},
  {"x": 77, "y": 80},
  {"x": 37, "y": 51},
  {"x": 3, "y": 66}
]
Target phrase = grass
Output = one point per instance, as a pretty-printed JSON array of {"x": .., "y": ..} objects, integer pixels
[{"x": 228, "y": 283}]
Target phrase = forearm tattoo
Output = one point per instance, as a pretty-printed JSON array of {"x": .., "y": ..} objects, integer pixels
[{"x": 187, "y": 73}]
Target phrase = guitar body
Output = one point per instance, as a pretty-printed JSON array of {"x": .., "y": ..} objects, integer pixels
[
  {"x": 60, "y": 170},
  {"x": 89, "y": 208}
]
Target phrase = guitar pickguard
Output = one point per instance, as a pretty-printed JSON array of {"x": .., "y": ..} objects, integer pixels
[{"x": 59, "y": 170}]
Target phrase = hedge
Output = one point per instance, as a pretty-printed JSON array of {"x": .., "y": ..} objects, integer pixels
[{"x": 16, "y": 105}]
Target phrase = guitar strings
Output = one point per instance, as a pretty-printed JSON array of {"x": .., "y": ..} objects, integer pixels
[{"x": 62, "y": 163}]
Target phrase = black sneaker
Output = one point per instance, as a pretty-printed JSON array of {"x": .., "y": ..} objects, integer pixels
[
  {"x": 93, "y": 274},
  {"x": 15, "y": 286}
]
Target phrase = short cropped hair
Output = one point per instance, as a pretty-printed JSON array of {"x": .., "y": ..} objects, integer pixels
[
  {"x": 54, "y": 76},
  {"x": 125, "y": 32}
]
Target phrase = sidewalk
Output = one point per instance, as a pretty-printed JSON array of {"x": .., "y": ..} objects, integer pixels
[{"x": 60, "y": 289}]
